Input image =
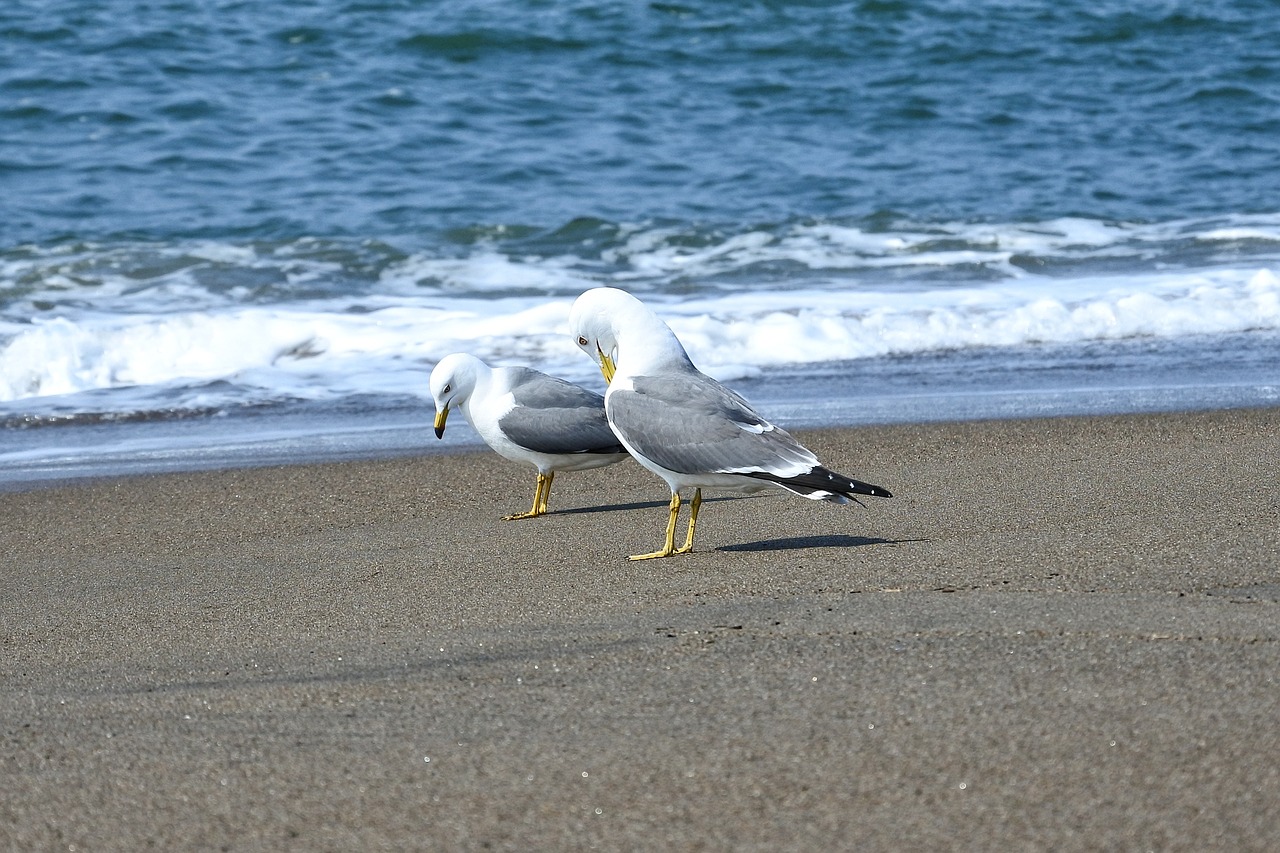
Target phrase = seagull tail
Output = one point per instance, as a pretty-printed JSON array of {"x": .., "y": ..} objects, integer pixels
[{"x": 821, "y": 484}]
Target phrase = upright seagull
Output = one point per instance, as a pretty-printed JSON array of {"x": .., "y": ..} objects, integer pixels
[
  {"x": 527, "y": 416},
  {"x": 685, "y": 426}
]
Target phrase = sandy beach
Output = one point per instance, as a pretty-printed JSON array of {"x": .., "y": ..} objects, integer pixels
[{"x": 1058, "y": 635}]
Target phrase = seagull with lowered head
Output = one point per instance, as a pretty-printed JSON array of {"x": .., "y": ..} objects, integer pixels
[
  {"x": 526, "y": 416},
  {"x": 683, "y": 425}
]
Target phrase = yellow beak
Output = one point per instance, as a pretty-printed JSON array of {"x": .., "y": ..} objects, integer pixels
[
  {"x": 441, "y": 417},
  {"x": 607, "y": 366}
]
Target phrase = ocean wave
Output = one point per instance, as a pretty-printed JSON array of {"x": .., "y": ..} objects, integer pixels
[{"x": 313, "y": 319}]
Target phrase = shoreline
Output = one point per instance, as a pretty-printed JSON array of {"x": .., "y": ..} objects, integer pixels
[
  {"x": 88, "y": 452},
  {"x": 1060, "y": 633},
  {"x": 1195, "y": 373}
]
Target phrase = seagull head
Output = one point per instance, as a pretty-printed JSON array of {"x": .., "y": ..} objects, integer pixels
[
  {"x": 617, "y": 330},
  {"x": 591, "y": 324},
  {"x": 452, "y": 381}
]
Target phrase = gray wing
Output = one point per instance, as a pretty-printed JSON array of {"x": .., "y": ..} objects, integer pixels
[
  {"x": 692, "y": 424},
  {"x": 554, "y": 416}
]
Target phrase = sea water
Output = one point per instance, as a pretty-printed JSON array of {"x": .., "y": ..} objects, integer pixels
[{"x": 231, "y": 231}]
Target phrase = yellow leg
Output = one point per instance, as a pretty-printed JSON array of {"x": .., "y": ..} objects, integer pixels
[
  {"x": 670, "y": 547},
  {"x": 539, "y": 499},
  {"x": 546, "y": 492},
  {"x": 693, "y": 520}
]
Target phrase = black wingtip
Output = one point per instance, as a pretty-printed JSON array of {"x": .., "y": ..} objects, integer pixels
[
  {"x": 845, "y": 485},
  {"x": 857, "y": 488},
  {"x": 821, "y": 480}
]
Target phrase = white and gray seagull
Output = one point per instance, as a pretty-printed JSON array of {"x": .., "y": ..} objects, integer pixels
[
  {"x": 527, "y": 416},
  {"x": 685, "y": 426}
]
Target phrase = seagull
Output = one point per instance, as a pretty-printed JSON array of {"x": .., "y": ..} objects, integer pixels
[
  {"x": 685, "y": 426},
  {"x": 527, "y": 416}
]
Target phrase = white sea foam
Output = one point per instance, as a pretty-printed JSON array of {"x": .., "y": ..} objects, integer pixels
[{"x": 78, "y": 323}]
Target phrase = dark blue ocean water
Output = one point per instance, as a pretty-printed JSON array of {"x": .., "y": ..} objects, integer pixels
[
  {"x": 181, "y": 182},
  {"x": 375, "y": 120}
]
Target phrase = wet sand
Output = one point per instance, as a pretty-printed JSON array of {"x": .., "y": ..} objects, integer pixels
[{"x": 1059, "y": 634}]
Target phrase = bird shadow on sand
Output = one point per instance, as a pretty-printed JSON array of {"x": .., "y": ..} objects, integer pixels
[
  {"x": 637, "y": 505},
  {"x": 800, "y": 543}
]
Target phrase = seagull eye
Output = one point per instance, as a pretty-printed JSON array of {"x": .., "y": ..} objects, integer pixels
[
  {"x": 448, "y": 388},
  {"x": 582, "y": 342}
]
